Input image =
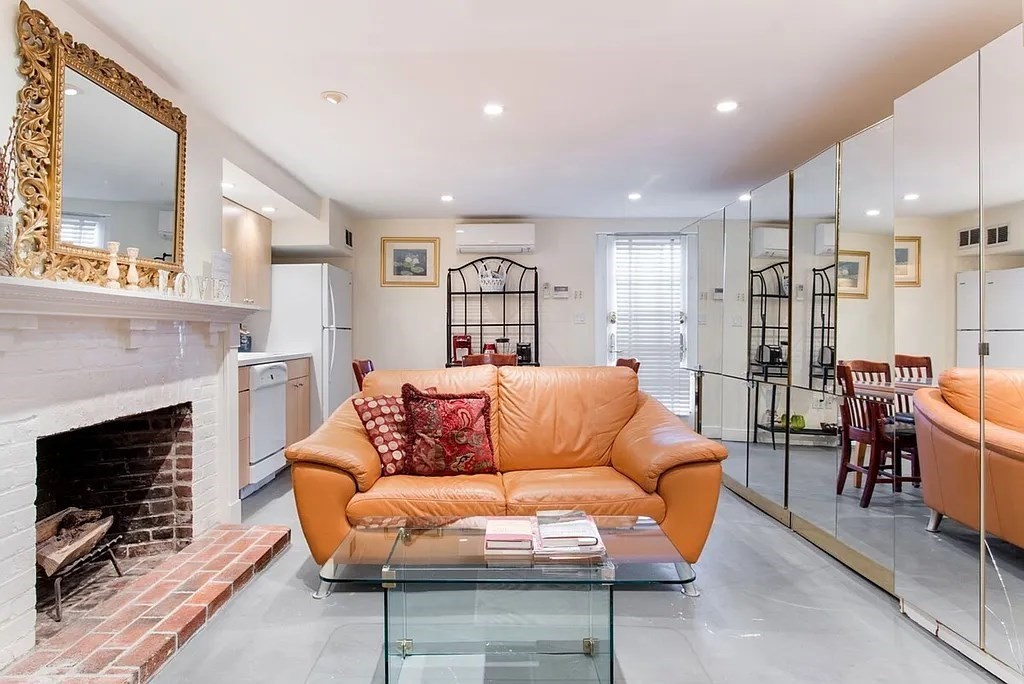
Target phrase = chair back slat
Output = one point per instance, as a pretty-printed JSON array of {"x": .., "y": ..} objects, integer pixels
[{"x": 909, "y": 367}]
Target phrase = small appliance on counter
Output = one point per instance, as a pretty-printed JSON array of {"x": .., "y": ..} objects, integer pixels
[
  {"x": 462, "y": 345},
  {"x": 504, "y": 345},
  {"x": 490, "y": 348},
  {"x": 524, "y": 352},
  {"x": 244, "y": 340}
]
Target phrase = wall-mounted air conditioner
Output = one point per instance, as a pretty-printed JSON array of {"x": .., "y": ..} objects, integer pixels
[
  {"x": 165, "y": 224},
  {"x": 495, "y": 238},
  {"x": 769, "y": 242},
  {"x": 825, "y": 239}
]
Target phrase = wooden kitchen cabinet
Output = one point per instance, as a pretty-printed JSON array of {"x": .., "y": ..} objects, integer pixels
[
  {"x": 297, "y": 401},
  {"x": 246, "y": 236}
]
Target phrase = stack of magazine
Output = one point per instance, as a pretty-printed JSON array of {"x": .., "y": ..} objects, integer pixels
[{"x": 553, "y": 537}]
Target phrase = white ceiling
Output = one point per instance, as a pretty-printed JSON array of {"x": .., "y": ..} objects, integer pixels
[
  {"x": 242, "y": 188},
  {"x": 602, "y": 98},
  {"x": 113, "y": 151}
]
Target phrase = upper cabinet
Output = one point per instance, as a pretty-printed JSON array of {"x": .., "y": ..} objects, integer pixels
[{"x": 246, "y": 236}]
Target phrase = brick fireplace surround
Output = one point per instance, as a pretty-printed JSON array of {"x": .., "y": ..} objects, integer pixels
[{"x": 74, "y": 356}]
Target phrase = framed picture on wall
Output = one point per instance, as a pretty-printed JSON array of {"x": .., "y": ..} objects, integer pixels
[
  {"x": 852, "y": 271},
  {"x": 409, "y": 262},
  {"x": 906, "y": 265}
]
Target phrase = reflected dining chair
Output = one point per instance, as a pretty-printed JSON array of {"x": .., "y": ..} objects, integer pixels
[
  {"x": 361, "y": 368},
  {"x": 491, "y": 359},
  {"x": 629, "y": 363},
  {"x": 867, "y": 420}
]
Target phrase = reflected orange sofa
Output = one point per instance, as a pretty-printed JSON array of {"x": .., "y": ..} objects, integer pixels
[
  {"x": 583, "y": 438},
  {"x": 948, "y": 439}
]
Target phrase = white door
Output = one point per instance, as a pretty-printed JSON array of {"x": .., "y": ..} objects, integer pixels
[
  {"x": 645, "y": 296},
  {"x": 337, "y": 299},
  {"x": 336, "y": 383}
]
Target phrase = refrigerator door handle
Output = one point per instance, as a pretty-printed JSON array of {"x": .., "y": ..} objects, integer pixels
[
  {"x": 329, "y": 318},
  {"x": 332, "y": 334}
]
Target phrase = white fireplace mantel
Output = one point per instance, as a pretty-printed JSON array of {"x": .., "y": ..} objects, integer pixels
[{"x": 26, "y": 298}]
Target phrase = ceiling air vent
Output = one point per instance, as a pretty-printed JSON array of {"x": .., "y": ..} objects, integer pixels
[
  {"x": 970, "y": 237},
  {"x": 997, "y": 235}
]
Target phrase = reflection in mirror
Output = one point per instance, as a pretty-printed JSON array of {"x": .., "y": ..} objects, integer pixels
[
  {"x": 812, "y": 344},
  {"x": 710, "y": 236},
  {"x": 119, "y": 173},
  {"x": 1002, "y": 155},
  {"x": 735, "y": 431},
  {"x": 813, "y": 415},
  {"x": 864, "y": 509},
  {"x": 769, "y": 336},
  {"x": 936, "y": 308}
]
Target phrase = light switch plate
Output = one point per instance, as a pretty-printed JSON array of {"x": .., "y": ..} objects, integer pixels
[{"x": 579, "y": 318}]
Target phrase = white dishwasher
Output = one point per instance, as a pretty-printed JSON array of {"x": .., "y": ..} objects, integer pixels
[{"x": 267, "y": 419}]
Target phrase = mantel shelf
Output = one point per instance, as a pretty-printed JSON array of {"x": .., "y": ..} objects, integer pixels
[{"x": 27, "y": 297}]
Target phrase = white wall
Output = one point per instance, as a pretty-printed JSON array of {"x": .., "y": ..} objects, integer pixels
[
  {"x": 404, "y": 327},
  {"x": 209, "y": 141},
  {"x": 865, "y": 328}
]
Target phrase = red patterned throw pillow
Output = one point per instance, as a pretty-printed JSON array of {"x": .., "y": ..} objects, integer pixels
[
  {"x": 448, "y": 434},
  {"x": 384, "y": 420}
]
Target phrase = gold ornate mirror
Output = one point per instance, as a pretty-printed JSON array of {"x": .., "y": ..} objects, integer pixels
[{"x": 100, "y": 157}]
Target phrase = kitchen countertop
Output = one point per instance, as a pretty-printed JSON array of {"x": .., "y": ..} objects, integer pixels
[{"x": 252, "y": 358}]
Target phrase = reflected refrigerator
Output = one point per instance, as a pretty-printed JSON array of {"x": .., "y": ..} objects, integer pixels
[
  {"x": 311, "y": 311},
  {"x": 1004, "y": 319}
]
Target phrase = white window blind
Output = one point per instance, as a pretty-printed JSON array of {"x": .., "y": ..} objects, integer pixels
[
  {"x": 82, "y": 230},
  {"x": 646, "y": 295}
]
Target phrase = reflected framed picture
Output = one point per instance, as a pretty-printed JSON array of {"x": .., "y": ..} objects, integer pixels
[
  {"x": 852, "y": 271},
  {"x": 409, "y": 262},
  {"x": 906, "y": 265}
]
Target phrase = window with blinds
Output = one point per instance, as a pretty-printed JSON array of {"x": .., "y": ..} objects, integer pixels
[
  {"x": 646, "y": 283},
  {"x": 82, "y": 230}
]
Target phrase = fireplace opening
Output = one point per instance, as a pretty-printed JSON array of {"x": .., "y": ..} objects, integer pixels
[{"x": 121, "y": 488}]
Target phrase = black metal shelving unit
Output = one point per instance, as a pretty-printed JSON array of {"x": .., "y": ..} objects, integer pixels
[
  {"x": 514, "y": 312},
  {"x": 823, "y": 328},
  {"x": 769, "y": 315}
]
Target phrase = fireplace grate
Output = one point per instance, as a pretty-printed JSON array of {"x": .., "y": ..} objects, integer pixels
[{"x": 104, "y": 548}]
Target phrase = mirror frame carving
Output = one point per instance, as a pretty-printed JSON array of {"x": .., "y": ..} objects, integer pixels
[{"x": 44, "y": 51}]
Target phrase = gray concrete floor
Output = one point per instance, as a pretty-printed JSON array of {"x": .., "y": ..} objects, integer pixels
[{"x": 773, "y": 609}]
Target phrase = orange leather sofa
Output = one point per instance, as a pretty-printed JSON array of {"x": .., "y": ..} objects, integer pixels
[
  {"x": 948, "y": 438},
  {"x": 583, "y": 438}
]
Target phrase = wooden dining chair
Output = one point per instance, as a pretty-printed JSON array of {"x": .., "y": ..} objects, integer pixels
[
  {"x": 490, "y": 359},
  {"x": 361, "y": 368},
  {"x": 909, "y": 367},
  {"x": 629, "y": 363},
  {"x": 867, "y": 420}
]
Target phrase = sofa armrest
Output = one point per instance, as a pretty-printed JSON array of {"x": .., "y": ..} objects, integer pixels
[
  {"x": 341, "y": 443},
  {"x": 656, "y": 440},
  {"x": 936, "y": 412}
]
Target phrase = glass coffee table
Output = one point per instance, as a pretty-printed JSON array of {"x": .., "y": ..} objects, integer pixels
[{"x": 450, "y": 616}]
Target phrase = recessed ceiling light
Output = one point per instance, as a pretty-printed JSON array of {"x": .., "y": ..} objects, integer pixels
[
  {"x": 459, "y": 230},
  {"x": 70, "y": 91},
  {"x": 334, "y": 96},
  {"x": 634, "y": 196},
  {"x": 226, "y": 186},
  {"x": 911, "y": 196},
  {"x": 447, "y": 198},
  {"x": 494, "y": 109},
  {"x": 745, "y": 197},
  {"x": 727, "y": 106},
  {"x": 268, "y": 210},
  {"x": 872, "y": 212}
]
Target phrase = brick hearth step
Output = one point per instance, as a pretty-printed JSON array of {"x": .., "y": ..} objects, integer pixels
[{"x": 127, "y": 638}]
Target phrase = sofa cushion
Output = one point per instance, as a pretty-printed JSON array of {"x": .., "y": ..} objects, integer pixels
[
  {"x": 383, "y": 419},
  {"x": 449, "y": 434},
  {"x": 457, "y": 496},
  {"x": 598, "y": 490},
  {"x": 1004, "y": 395},
  {"x": 447, "y": 381},
  {"x": 562, "y": 417}
]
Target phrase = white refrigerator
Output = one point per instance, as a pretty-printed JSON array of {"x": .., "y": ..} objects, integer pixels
[
  {"x": 1004, "y": 318},
  {"x": 311, "y": 311}
]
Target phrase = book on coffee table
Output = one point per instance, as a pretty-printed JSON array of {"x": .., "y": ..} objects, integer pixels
[
  {"x": 509, "y": 534},
  {"x": 567, "y": 530}
]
